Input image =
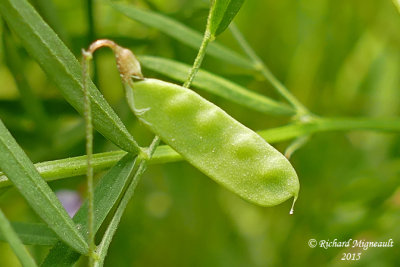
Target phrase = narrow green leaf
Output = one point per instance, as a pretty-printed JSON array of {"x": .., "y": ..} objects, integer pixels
[
  {"x": 181, "y": 33},
  {"x": 217, "y": 85},
  {"x": 106, "y": 194},
  {"x": 33, "y": 234},
  {"x": 23, "y": 174},
  {"x": 12, "y": 238},
  {"x": 222, "y": 13},
  {"x": 63, "y": 68}
]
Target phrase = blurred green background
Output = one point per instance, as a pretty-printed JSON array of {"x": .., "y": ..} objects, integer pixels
[{"x": 339, "y": 57}]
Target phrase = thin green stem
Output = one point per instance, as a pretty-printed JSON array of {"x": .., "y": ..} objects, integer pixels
[
  {"x": 91, "y": 35},
  {"x": 112, "y": 227},
  {"x": 199, "y": 59},
  {"x": 89, "y": 152},
  {"x": 316, "y": 125},
  {"x": 260, "y": 66},
  {"x": 15, "y": 243},
  {"x": 76, "y": 166}
]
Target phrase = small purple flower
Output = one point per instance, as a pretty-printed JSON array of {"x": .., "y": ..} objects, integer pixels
[{"x": 70, "y": 200}]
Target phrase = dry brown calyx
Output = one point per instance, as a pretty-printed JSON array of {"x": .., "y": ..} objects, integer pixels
[{"x": 127, "y": 63}]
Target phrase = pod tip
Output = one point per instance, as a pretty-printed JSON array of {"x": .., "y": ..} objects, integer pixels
[{"x": 291, "y": 212}]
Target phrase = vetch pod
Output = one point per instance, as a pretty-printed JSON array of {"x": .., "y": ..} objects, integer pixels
[{"x": 214, "y": 142}]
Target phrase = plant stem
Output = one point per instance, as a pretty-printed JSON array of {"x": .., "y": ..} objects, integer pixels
[
  {"x": 75, "y": 166},
  {"x": 199, "y": 58},
  {"x": 91, "y": 36},
  {"x": 89, "y": 152},
  {"x": 295, "y": 130},
  {"x": 260, "y": 66}
]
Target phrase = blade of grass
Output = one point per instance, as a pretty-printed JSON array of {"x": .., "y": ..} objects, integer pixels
[
  {"x": 33, "y": 234},
  {"x": 12, "y": 238},
  {"x": 216, "y": 85},
  {"x": 180, "y": 32},
  {"x": 63, "y": 68},
  {"x": 107, "y": 192},
  {"x": 23, "y": 174}
]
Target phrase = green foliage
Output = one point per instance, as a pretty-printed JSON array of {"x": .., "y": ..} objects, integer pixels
[{"x": 304, "y": 61}]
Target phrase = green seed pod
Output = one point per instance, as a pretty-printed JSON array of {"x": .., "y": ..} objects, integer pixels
[{"x": 211, "y": 140}]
